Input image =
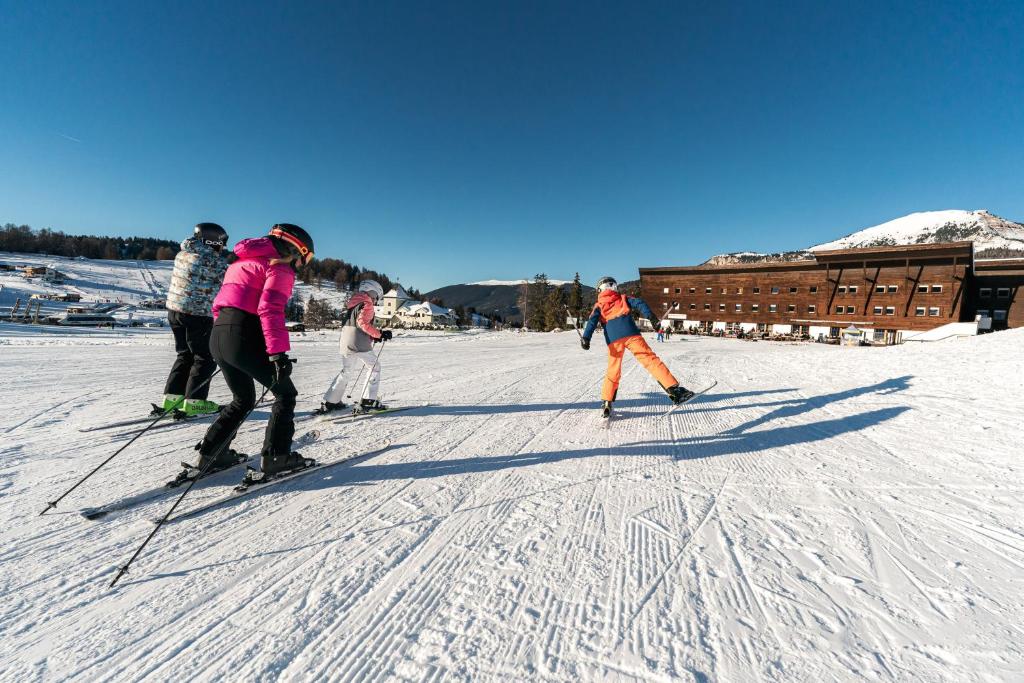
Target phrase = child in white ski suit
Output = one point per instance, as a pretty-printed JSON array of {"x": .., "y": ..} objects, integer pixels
[{"x": 358, "y": 335}]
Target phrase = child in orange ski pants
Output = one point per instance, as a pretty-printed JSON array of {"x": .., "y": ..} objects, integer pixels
[{"x": 643, "y": 353}]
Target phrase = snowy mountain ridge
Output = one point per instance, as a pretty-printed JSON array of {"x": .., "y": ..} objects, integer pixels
[
  {"x": 513, "y": 283},
  {"x": 985, "y": 229}
]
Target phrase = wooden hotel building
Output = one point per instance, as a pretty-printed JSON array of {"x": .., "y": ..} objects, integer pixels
[{"x": 892, "y": 292}]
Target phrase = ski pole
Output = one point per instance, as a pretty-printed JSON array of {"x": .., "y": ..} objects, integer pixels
[
  {"x": 575, "y": 321},
  {"x": 53, "y": 503},
  {"x": 374, "y": 367},
  {"x": 375, "y": 361},
  {"x": 124, "y": 570}
]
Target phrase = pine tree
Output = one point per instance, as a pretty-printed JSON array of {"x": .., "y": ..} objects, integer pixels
[
  {"x": 318, "y": 314},
  {"x": 576, "y": 299},
  {"x": 554, "y": 309},
  {"x": 537, "y": 294}
]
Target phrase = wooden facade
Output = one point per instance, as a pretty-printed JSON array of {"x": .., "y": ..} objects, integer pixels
[
  {"x": 997, "y": 291},
  {"x": 888, "y": 289}
]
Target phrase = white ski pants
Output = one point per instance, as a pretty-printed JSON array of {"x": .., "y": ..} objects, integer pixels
[{"x": 352, "y": 362}]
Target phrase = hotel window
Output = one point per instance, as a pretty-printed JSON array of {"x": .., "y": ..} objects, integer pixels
[
  {"x": 693, "y": 307},
  {"x": 985, "y": 314},
  {"x": 877, "y": 310},
  {"x": 999, "y": 315},
  {"x": 739, "y": 307},
  {"x": 841, "y": 290},
  {"x": 890, "y": 310},
  {"x": 792, "y": 290},
  {"x": 985, "y": 292},
  {"x": 755, "y": 307},
  {"x": 675, "y": 305},
  {"x": 936, "y": 289},
  {"x": 893, "y": 289},
  {"x": 879, "y": 289},
  {"x": 919, "y": 311},
  {"x": 739, "y": 290},
  {"x": 812, "y": 308},
  {"x": 693, "y": 290},
  {"x": 1003, "y": 293},
  {"x": 665, "y": 291},
  {"x": 853, "y": 289},
  {"x": 756, "y": 290},
  {"x": 707, "y": 290},
  {"x": 933, "y": 312},
  {"x": 707, "y": 307},
  {"x": 791, "y": 308},
  {"x": 678, "y": 290},
  {"x": 721, "y": 307},
  {"x": 851, "y": 309},
  {"x": 664, "y": 304},
  {"x": 772, "y": 308},
  {"x": 922, "y": 289},
  {"x": 839, "y": 310},
  {"x": 725, "y": 290},
  {"x": 814, "y": 289},
  {"x": 775, "y": 290}
]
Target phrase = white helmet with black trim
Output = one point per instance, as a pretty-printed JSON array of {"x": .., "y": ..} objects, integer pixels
[
  {"x": 373, "y": 288},
  {"x": 607, "y": 282}
]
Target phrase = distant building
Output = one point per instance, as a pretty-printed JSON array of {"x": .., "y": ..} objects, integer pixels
[
  {"x": 391, "y": 302},
  {"x": 426, "y": 314},
  {"x": 888, "y": 291}
]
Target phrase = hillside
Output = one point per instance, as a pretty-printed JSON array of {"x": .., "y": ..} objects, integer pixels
[
  {"x": 102, "y": 281},
  {"x": 492, "y": 295},
  {"x": 990, "y": 233}
]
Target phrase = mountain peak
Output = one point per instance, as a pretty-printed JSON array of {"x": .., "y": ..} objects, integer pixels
[{"x": 980, "y": 226}]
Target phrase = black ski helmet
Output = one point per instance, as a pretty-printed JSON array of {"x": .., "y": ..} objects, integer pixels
[
  {"x": 211, "y": 234},
  {"x": 296, "y": 238}
]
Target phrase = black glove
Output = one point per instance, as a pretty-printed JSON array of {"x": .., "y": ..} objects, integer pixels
[
  {"x": 282, "y": 366},
  {"x": 385, "y": 335},
  {"x": 655, "y": 323},
  {"x": 585, "y": 343}
]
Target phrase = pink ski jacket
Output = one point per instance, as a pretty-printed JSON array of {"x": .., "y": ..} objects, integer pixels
[
  {"x": 358, "y": 334},
  {"x": 257, "y": 283}
]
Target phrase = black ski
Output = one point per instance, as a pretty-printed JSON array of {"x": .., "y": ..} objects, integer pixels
[
  {"x": 176, "y": 419},
  {"x": 240, "y": 491},
  {"x": 695, "y": 395},
  {"x": 156, "y": 493}
]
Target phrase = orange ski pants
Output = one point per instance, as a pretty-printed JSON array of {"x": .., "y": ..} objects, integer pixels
[{"x": 643, "y": 353}]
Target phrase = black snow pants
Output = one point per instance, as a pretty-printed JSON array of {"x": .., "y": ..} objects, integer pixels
[
  {"x": 241, "y": 352},
  {"x": 194, "y": 365}
]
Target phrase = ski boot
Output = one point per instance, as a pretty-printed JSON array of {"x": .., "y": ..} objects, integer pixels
[
  {"x": 208, "y": 464},
  {"x": 272, "y": 466},
  {"x": 198, "y": 406},
  {"x": 171, "y": 402},
  {"x": 606, "y": 409},
  {"x": 369, "y": 405},
  {"x": 679, "y": 395},
  {"x": 328, "y": 407}
]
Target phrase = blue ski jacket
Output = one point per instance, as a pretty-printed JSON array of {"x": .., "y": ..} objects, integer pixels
[{"x": 614, "y": 312}]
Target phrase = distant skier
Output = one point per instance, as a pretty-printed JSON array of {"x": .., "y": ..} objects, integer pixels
[
  {"x": 614, "y": 312},
  {"x": 250, "y": 342},
  {"x": 358, "y": 335},
  {"x": 198, "y": 272}
]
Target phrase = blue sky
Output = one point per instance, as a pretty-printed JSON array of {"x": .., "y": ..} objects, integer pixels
[{"x": 450, "y": 142}]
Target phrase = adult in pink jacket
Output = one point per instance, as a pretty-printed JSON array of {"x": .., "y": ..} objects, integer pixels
[{"x": 250, "y": 342}]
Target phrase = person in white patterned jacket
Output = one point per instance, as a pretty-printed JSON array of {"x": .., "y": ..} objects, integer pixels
[{"x": 198, "y": 273}]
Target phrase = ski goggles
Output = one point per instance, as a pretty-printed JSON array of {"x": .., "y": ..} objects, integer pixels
[{"x": 305, "y": 253}]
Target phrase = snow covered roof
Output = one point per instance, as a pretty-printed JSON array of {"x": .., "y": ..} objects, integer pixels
[
  {"x": 398, "y": 292},
  {"x": 413, "y": 308}
]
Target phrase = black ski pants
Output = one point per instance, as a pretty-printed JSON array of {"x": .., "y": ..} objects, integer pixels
[
  {"x": 241, "y": 352},
  {"x": 194, "y": 365}
]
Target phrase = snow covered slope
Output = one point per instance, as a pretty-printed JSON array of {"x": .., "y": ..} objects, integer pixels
[
  {"x": 794, "y": 524},
  {"x": 981, "y": 227}
]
